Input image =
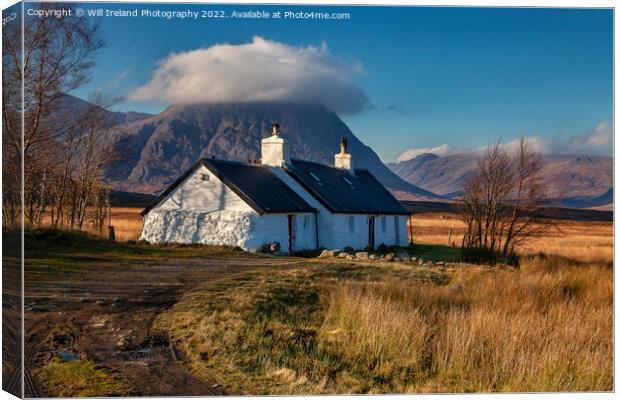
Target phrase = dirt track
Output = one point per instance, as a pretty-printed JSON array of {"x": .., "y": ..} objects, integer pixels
[{"x": 104, "y": 311}]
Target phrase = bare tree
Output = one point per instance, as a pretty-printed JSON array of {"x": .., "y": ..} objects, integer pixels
[
  {"x": 11, "y": 123},
  {"x": 528, "y": 198},
  {"x": 57, "y": 58},
  {"x": 85, "y": 150},
  {"x": 502, "y": 202},
  {"x": 96, "y": 152}
]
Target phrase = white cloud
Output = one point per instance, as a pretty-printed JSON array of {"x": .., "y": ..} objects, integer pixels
[
  {"x": 600, "y": 136},
  {"x": 262, "y": 70},
  {"x": 536, "y": 143}
]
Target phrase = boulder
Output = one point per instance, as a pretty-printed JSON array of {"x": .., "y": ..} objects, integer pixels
[
  {"x": 361, "y": 255},
  {"x": 327, "y": 253},
  {"x": 372, "y": 257},
  {"x": 390, "y": 256},
  {"x": 404, "y": 256},
  {"x": 330, "y": 253},
  {"x": 342, "y": 255}
]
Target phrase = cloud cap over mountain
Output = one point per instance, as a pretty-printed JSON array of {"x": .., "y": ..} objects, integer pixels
[{"x": 262, "y": 70}]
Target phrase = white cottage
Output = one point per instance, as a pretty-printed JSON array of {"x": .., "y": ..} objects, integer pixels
[{"x": 299, "y": 204}]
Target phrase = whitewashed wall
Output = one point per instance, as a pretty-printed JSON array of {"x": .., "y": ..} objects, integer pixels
[
  {"x": 274, "y": 228},
  {"x": 196, "y": 194},
  {"x": 391, "y": 230},
  {"x": 229, "y": 228},
  {"x": 247, "y": 230},
  {"x": 341, "y": 232}
]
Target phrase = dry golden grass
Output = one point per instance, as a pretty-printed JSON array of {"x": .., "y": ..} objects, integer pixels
[
  {"x": 383, "y": 329},
  {"x": 544, "y": 328},
  {"x": 127, "y": 223},
  {"x": 583, "y": 241}
]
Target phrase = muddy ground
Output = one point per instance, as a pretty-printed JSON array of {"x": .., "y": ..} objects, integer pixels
[{"x": 103, "y": 310}]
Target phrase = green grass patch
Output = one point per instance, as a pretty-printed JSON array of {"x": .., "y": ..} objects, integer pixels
[
  {"x": 436, "y": 252},
  {"x": 81, "y": 378},
  {"x": 53, "y": 246}
]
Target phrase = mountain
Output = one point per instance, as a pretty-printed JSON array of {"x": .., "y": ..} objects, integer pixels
[
  {"x": 574, "y": 180},
  {"x": 68, "y": 105},
  {"x": 446, "y": 175},
  {"x": 158, "y": 149}
]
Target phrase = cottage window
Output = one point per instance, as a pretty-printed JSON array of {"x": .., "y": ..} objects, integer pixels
[
  {"x": 383, "y": 224},
  {"x": 305, "y": 221},
  {"x": 205, "y": 177},
  {"x": 351, "y": 224}
]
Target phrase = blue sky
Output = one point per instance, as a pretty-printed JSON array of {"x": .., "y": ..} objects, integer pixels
[{"x": 461, "y": 76}]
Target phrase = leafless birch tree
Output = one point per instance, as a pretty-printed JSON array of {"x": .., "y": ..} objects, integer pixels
[
  {"x": 57, "y": 141},
  {"x": 57, "y": 58},
  {"x": 502, "y": 203}
]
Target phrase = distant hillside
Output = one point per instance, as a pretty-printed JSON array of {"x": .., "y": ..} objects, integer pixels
[
  {"x": 129, "y": 199},
  {"x": 68, "y": 105},
  {"x": 572, "y": 180},
  {"x": 574, "y": 214},
  {"x": 446, "y": 175},
  {"x": 160, "y": 148}
]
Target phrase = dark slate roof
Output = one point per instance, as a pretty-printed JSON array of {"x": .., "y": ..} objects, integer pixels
[
  {"x": 342, "y": 192},
  {"x": 259, "y": 187}
]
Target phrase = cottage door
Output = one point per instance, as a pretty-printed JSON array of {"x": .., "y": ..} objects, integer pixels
[
  {"x": 292, "y": 228},
  {"x": 371, "y": 232}
]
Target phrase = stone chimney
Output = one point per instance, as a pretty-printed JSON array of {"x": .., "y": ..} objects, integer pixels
[
  {"x": 274, "y": 150},
  {"x": 343, "y": 159}
]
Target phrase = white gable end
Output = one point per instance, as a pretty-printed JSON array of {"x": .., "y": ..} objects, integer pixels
[{"x": 202, "y": 191}]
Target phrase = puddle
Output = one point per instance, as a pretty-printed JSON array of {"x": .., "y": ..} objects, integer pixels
[
  {"x": 144, "y": 350},
  {"x": 141, "y": 355},
  {"x": 68, "y": 356},
  {"x": 39, "y": 308}
]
